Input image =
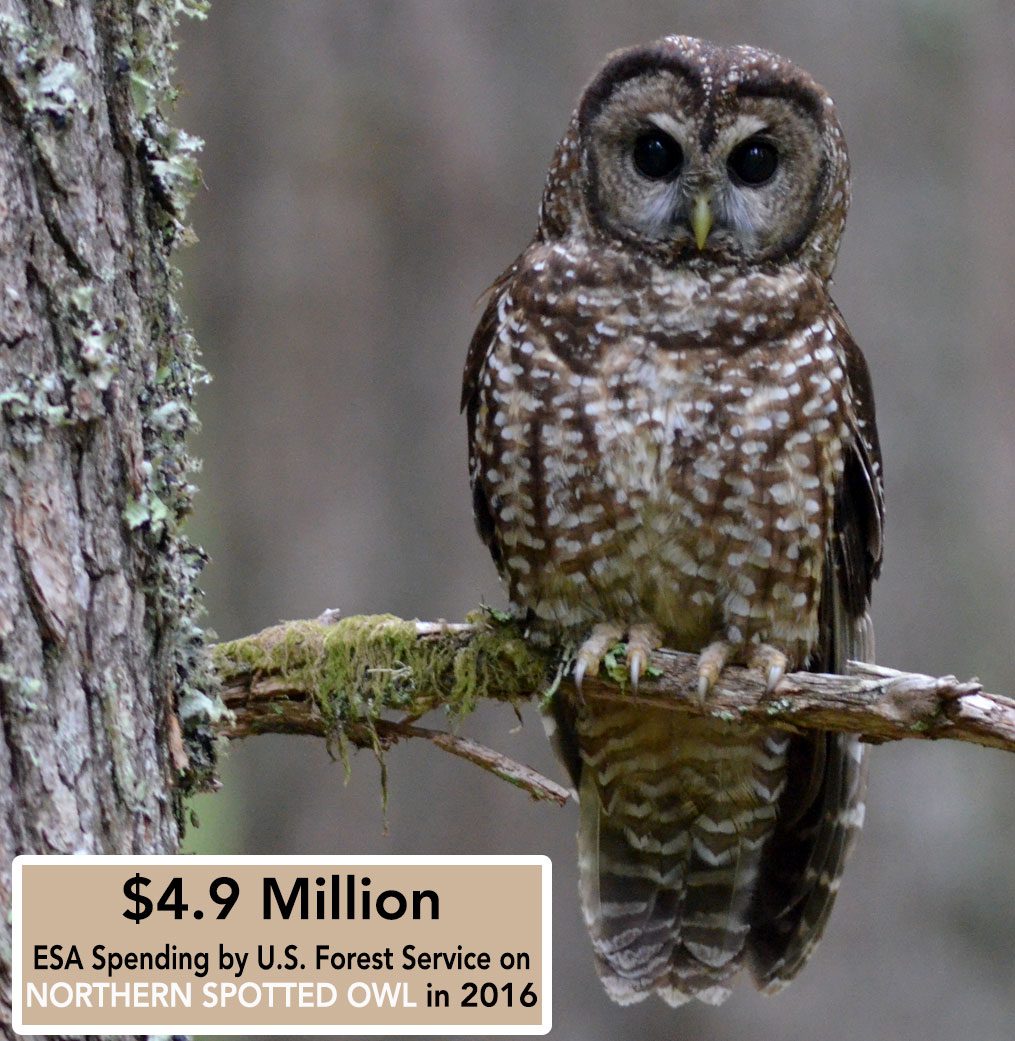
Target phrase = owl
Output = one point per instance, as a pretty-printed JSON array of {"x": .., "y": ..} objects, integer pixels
[{"x": 672, "y": 442}]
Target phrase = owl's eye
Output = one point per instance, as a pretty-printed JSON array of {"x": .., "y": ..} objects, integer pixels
[
  {"x": 656, "y": 155},
  {"x": 754, "y": 161}
]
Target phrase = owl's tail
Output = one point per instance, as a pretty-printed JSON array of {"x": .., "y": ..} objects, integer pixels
[{"x": 670, "y": 848}]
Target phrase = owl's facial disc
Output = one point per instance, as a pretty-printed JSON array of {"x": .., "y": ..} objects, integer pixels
[{"x": 730, "y": 176}]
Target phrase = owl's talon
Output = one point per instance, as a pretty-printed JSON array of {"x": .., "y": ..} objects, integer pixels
[
  {"x": 580, "y": 668},
  {"x": 772, "y": 662},
  {"x": 590, "y": 654},
  {"x": 766, "y": 659},
  {"x": 642, "y": 640},
  {"x": 711, "y": 662}
]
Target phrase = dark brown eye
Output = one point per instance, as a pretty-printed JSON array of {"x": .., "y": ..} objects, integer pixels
[
  {"x": 754, "y": 161},
  {"x": 657, "y": 156}
]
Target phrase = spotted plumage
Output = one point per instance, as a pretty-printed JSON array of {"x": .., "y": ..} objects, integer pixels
[{"x": 672, "y": 438}]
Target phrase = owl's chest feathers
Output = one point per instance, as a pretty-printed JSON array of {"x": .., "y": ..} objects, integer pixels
[{"x": 680, "y": 467}]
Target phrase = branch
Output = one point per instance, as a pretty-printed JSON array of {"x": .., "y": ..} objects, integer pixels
[
  {"x": 337, "y": 679},
  {"x": 538, "y": 786}
]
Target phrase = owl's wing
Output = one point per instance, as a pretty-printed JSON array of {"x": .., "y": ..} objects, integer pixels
[
  {"x": 823, "y": 805},
  {"x": 559, "y": 719},
  {"x": 479, "y": 348},
  {"x": 480, "y": 344}
]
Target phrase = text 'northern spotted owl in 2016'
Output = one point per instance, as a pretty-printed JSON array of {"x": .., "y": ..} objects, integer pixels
[{"x": 672, "y": 442}]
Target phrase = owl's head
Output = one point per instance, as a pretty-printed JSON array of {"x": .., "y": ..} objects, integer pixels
[{"x": 703, "y": 155}]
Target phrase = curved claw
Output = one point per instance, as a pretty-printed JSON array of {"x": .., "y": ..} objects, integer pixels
[
  {"x": 771, "y": 662},
  {"x": 591, "y": 652},
  {"x": 705, "y": 684},
  {"x": 580, "y": 668},
  {"x": 642, "y": 640},
  {"x": 774, "y": 677},
  {"x": 711, "y": 662}
]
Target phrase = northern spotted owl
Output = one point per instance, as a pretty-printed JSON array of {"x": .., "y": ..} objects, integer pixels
[{"x": 672, "y": 442}]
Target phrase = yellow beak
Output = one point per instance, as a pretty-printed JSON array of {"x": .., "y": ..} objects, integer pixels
[{"x": 701, "y": 219}]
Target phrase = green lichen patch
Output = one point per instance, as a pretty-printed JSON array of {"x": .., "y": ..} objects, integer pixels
[
  {"x": 616, "y": 668},
  {"x": 361, "y": 666},
  {"x": 499, "y": 662},
  {"x": 31, "y": 404},
  {"x": 192, "y": 8},
  {"x": 778, "y": 706},
  {"x": 613, "y": 663},
  {"x": 143, "y": 48},
  {"x": 46, "y": 82},
  {"x": 22, "y": 690}
]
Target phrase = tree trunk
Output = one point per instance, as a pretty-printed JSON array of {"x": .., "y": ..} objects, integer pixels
[{"x": 100, "y": 653}]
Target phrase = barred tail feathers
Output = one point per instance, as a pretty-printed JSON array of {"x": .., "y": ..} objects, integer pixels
[
  {"x": 820, "y": 819},
  {"x": 674, "y": 818},
  {"x": 631, "y": 900},
  {"x": 803, "y": 867}
]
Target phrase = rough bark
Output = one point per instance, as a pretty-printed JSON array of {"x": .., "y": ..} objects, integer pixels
[
  {"x": 333, "y": 679},
  {"x": 100, "y": 655}
]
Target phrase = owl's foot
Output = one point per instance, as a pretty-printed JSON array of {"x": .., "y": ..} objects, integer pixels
[
  {"x": 764, "y": 657},
  {"x": 590, "y": 654},
  {"x": 642, "y": 640},
  {"x": 771, "y": 661},
  {"x": 711, "y": 662}
]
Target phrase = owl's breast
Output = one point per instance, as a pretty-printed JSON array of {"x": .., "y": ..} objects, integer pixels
[{"x": 675, "y": 477}]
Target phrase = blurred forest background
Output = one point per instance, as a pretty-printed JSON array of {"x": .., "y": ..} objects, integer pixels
[{"x": 371, "y": 167}]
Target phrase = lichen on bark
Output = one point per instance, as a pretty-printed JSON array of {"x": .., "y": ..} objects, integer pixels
[{"x": 106, "y": 697}]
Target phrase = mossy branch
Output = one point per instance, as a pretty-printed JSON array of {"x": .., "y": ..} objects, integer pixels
[
  {"x": 342, "y": 679},
  {"x": 336, "y": 678}
]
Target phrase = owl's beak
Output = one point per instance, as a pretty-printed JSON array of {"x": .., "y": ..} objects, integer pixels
[{"x": 701, "y": 219}]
